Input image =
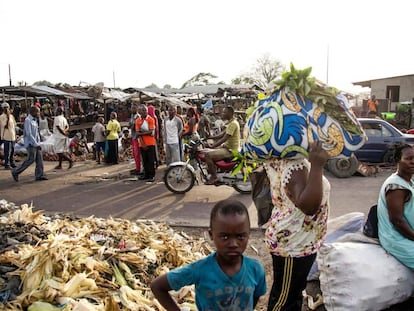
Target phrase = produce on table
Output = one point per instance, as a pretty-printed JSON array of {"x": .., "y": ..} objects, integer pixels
[
  {"x": 299, "y": 111},
  {"x": 67, "y": 263}
]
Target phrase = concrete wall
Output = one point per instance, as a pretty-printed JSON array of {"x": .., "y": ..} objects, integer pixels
[{"x": 406, "y": 83}]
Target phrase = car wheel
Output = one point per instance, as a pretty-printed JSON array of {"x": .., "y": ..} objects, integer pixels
[
  {"x": 388, "y": 157},
  {"x": 343, "y": 167}
]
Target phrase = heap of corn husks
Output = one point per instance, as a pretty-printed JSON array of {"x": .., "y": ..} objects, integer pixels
[{"x": 67, "y": 263}]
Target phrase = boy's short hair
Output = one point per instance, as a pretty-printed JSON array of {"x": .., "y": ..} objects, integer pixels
[{"x": 228, "y": 207}]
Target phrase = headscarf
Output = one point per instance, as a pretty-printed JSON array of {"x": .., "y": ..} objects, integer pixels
[{"x": 151, "y": 112}]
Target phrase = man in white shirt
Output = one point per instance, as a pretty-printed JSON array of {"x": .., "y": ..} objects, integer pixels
[
  {"x": 99, "y": 138},
  {"x": 173, "y": 127},
  {"x": 61, "y": 134}
]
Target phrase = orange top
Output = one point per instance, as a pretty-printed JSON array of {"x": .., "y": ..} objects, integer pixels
[
  {"x": 148, "y": 140},
  {"x": 372, "y": 105},
  {"x": 187, "y": 126}
]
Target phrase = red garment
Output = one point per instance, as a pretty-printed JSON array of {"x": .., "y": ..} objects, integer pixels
[
  {"x": 151, "y": 112},
  {"x": 136, "y": 153}
]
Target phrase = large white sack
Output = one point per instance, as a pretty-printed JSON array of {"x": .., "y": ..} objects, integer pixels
[
  {"x": 362, "y": 276},
  {"x": 337, "y": 228}
]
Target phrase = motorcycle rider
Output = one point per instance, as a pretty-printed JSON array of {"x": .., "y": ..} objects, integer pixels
[{"x": 227, "y": 140}]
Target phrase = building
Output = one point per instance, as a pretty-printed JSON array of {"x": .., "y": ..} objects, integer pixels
[{"x": 390, "y": 91}]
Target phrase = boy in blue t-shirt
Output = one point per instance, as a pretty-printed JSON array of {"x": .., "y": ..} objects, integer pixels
[{"x": 226, "y": 279}]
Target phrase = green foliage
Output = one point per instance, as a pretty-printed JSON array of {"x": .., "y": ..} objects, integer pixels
[
  {"x": 246, "y": 164},
  {"x": 152, "y": 86},
  {"x": 202, "y": 78},
  {"x": 403, "y": 108},
  {"x": 300, "y": 81},
  {"x": 43, "y": 82}
]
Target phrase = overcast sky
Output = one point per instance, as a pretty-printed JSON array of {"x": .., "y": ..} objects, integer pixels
[{"x": 167, "y": 42}]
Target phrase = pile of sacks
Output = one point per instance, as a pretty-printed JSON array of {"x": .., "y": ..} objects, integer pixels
[{"x": 356, "y": 273}]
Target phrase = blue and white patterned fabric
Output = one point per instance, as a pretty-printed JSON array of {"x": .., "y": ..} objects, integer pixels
[{"x": 285, "y": 124}]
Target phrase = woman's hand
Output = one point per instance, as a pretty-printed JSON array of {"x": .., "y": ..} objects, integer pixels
[
  {"x": 305, "y": 188},
  {"x": 317, "y": 155}
]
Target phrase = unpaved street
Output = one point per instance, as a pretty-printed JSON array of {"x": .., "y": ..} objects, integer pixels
[{"x": 101, "y": 190}]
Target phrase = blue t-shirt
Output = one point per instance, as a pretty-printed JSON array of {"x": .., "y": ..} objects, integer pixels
[{"x": 215, "y": 290}]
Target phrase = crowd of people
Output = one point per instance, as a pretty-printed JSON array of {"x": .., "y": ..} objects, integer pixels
[{"x": 152, "y": 137}]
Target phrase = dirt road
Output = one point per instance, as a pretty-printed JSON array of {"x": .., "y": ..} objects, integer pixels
[{"x": 101, "y": 190}]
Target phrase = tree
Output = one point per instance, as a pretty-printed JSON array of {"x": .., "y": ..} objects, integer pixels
[
  {"x": 43, "y": 82},
  {"x": 265, "y": 71},
  {"x": 202, "y": 78},
  {"x": 243, "y": 79},
  {"x": 21, "y": 83},
  {"x": 152, "y": 86},
  {"x": 167, "y": 86}
]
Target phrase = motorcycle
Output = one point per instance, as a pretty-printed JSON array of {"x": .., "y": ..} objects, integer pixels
[{"x": 180, "y": 177}]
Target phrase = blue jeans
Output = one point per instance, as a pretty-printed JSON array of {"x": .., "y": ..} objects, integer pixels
[
  {"x": 33, "y": 154},
  {"x": 8, "y": 152}
]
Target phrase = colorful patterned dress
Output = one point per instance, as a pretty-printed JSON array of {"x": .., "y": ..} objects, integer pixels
[{"x": 290, "y": 232}]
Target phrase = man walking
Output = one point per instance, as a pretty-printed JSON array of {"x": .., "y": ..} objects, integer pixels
[
  {"x": 61, "y": 134},
  {"x": 8, "y": 135},
  {"x": 32, "y": 144},
  {"x": 173, "y": 127},
  {"x": 145, "y": 127}
]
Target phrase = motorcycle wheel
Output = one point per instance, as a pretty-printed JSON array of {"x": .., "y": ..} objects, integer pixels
[
  {"x": 179, "y": 179},
  {"x": 241, "y": 186}
]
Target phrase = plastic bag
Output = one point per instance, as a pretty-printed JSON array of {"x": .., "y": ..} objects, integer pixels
[
  {"x": 371, "y": 224},
  {"x": 261, "y": 195}
]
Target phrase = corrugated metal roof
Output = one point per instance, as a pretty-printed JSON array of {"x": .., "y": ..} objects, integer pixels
[
  {"x": 209, "y": 89},
  {"x": 168, "y": 99},
  {"x": 50, "y": 90},
  {"x": 115, "y": 94},
  {"x": 23, "y": 91},
  {"x": 367, "y": 83}
]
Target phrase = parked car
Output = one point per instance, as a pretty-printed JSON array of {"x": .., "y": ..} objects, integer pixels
[{"x": 382, "y": 137}]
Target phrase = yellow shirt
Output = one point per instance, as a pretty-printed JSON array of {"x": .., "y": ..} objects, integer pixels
[
  {"x": 114, "y": 129},
  {"x": 233, "y": 130}
]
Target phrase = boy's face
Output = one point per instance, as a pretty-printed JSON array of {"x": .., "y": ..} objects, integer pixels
[{"x": 230, "y": 234}]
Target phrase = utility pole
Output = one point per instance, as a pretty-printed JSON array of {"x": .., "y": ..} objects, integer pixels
[
  {"x": 10, "y": 80},
  {"x": 113, "y": 76}
]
